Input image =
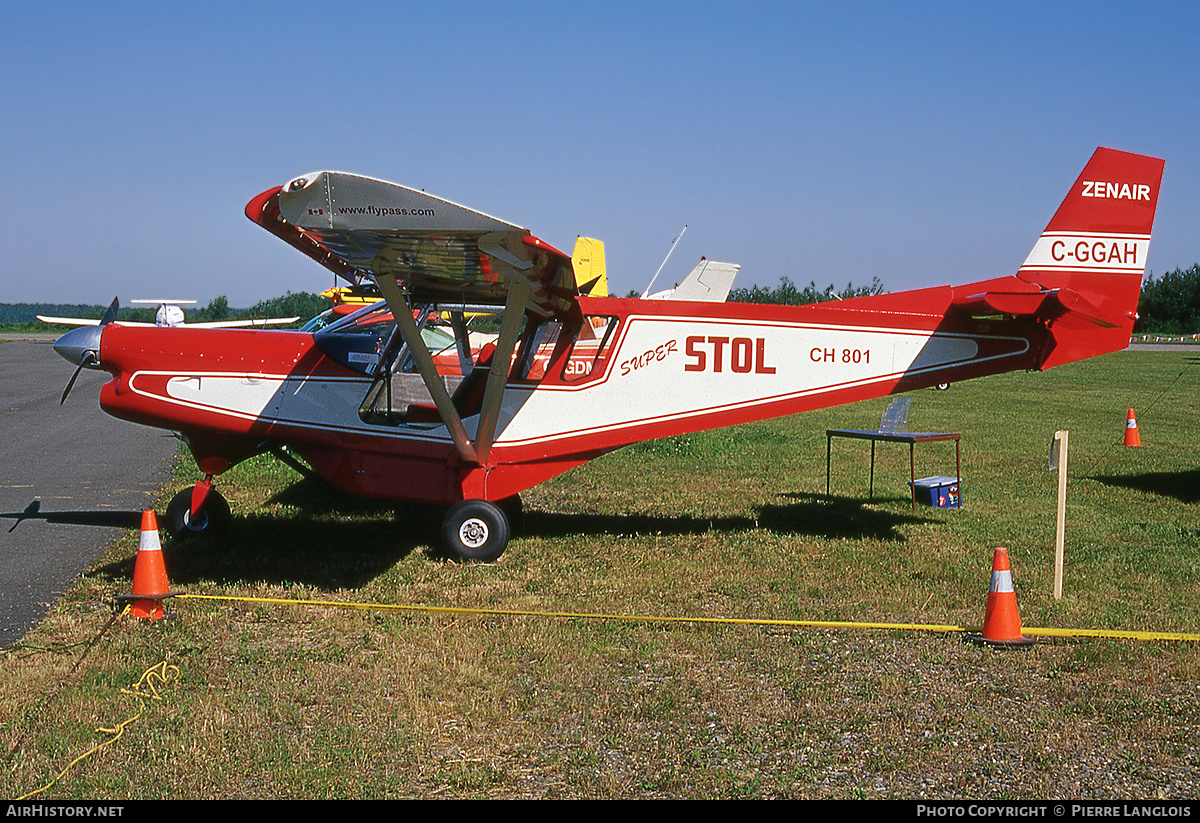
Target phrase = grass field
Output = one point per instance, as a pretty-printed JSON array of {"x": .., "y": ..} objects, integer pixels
[{"x": 304, "y": 701}]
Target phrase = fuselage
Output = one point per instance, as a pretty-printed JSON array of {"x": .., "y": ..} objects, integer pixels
[{"x": 625, "y": 370}]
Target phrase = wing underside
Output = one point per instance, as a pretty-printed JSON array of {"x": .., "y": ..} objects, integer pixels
[{"x": 429, "y": 249}]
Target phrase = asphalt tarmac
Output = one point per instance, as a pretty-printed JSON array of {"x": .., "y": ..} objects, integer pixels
[{"x": 72, "y": 458}]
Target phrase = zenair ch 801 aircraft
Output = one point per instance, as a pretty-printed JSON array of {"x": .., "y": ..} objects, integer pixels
[{"x": 367, "y": 404}]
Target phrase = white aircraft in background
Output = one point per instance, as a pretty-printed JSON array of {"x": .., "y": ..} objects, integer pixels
[
  {"x": 168, "y": 314},
  {"x": 709, "y": 281}
]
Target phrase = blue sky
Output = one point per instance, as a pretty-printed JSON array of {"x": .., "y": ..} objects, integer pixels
[{"x": 920, "y": 143}]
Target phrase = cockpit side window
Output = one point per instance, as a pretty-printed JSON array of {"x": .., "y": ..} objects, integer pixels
[
  {"x": 590, "y": 350},
  {"x": 537, "y": 351},
  {"x": 398, "y": 394}
]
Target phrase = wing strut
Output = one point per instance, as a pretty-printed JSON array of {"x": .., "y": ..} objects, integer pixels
[
  {"x": 462, "y": 341},
  {"x": 506, "y": 344},
  {"x": 402, "y": 312}
]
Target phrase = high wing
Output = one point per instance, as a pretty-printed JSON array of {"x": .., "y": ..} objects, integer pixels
[
  {"x": 241, "y": 324},
  {"x": 412, "y": 243},
  {"x": 74, "y": 321}
]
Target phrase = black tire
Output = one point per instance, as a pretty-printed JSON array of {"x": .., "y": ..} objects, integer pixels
[
  {"x": 475, "y": 530},
  {"x": 214, "y": 519}
]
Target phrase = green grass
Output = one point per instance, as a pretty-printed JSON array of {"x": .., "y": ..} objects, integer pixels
[{"x": 303, "y": 701}]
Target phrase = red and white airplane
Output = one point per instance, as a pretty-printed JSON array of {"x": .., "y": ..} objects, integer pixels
[{"x": 571, "y": 377}]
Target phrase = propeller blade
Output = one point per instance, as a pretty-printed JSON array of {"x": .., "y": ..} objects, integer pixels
[
  {"x": 88, "y": 359},
  {"x": 111, "y": 314}
]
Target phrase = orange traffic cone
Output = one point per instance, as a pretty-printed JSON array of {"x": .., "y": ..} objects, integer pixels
[
  {"x": 1001, "y": 621},
  {"x": 1132, "y": 438},
  {"x": 150, "y": 584}
]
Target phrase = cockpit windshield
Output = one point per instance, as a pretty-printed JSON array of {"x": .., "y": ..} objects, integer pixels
[{"x": 356, "y": 339}]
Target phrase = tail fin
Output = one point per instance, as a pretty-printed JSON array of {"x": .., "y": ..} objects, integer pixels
[
  {"x": 709, "y": 281},
  {"x": 1093, "y": 253},
  {"x": 1098, "y": 240},
  {"x": 589, "y": 265}
]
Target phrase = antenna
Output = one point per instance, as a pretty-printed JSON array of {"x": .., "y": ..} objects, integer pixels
[{"x": 664, "y": 262}]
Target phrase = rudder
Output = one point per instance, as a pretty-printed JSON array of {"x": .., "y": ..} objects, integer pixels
[
  {"x": 590, "y": 269},
  {"x": 1093, "y": 252}
]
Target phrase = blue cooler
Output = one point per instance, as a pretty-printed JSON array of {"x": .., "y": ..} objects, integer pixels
[{"x": 940, "y": 492}]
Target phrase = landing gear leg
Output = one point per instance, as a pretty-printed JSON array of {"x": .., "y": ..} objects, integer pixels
[
  {"x": 198, "y": 510},
  {"x": 475, "y": 530}
]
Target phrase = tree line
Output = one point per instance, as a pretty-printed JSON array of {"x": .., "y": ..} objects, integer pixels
[
  {"x": 1169, "y": 304},
  {"x": 788, "y": 294},
  {"x": 305, "y": 305}
]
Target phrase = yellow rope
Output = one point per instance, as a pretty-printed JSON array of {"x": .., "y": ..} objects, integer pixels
[
  {"x": 740, "y": 621},
  {"x": 159, "y": 673},
  {"x": 146, "y": 687}
]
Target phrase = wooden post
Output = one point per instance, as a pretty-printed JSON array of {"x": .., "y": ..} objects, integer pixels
[{"x": 1061, "y": 520}]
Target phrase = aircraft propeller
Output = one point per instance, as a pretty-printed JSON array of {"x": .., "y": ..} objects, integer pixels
[
  {"x": 89, "y": 358},
  {"x": 111, "y": 313},
  {"x": 82, "y": 346}
]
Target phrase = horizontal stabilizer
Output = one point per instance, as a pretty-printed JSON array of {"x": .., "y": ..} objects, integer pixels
[{"x": 1045, "y": 304}]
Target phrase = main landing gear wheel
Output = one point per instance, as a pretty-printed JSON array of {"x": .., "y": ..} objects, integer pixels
[
  {"x": 475, "y": 530},
  {"x": 214, "y": 518}
]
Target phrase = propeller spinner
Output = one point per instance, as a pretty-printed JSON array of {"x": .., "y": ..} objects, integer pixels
[{"x": 81, "y": 346}]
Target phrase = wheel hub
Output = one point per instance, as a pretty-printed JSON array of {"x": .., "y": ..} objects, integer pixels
[
  {"x": 197, "y": 525},
  {"x": 473, "y": 532}
]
